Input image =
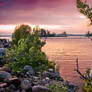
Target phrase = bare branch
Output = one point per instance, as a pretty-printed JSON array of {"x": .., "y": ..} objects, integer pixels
[{"x": 77, "y": 65}]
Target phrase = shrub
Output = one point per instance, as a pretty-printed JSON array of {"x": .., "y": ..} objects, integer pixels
[
  {"x": 27, "y": 51},
  {"x": 21, "y": 31}
]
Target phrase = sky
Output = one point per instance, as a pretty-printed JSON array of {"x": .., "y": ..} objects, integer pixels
[{"x": 54, "y": 15}]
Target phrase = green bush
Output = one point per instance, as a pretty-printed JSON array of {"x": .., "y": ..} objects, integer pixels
[
  {"x": 57, "y": 88},
  {"x": 21, "y": 31},
  {"x": 27, "y": 51}
]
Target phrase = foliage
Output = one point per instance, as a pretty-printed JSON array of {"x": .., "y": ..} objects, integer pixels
[
  {"x": 58, "y": 88},
  {"x": 85, "y": 9},
  {"x": 27, "y": 51},
  {"x": 88, "y": 83},
  {"x": 43, "y": 33},
  {"x": 21, "y": 31},
  {"x": 88, "y": 34}
]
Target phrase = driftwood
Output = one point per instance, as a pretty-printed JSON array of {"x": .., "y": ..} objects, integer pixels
[{"x": 78, "y": 71}]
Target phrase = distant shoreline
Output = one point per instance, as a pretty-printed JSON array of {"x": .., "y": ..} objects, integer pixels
[{"x": 10, "y": 35}]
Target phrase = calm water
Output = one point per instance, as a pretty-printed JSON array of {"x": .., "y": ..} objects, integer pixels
[{"x": 64, "y": 52}]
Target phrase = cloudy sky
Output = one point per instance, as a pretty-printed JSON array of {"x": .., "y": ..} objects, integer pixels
[{"x": 54, "y": 15}]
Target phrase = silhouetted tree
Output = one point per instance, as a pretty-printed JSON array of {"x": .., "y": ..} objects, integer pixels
[
  {"x": 88, "y": 34},
  {"x": 21, "y": 31},
  {"x": 43, "y": 33},
  {"x": 37, "y": 30},
  {"x": 64, "y": 33}
]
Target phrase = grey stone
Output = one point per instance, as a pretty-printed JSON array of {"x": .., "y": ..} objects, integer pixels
[
  {"x": 5, "y": 75},
  {"x": 56, "y": 75},
  {"x": 51, "y": 70},
  {"x": 2, "y": 52},
  {"x": 46, "y": 74},
  {"x": 40, "y": 89},
  {"x": 25, "y": 84},
  {"x": 31, "y": 72},
  {"x": 12, "y": 86},
  {"x": 27, "y": 68}
]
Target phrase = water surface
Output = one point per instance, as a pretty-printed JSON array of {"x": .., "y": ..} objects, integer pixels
[{"x": 64, "y": 52}]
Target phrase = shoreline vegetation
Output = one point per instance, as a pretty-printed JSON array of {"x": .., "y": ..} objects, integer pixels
[{"x": 25, "y": 68}]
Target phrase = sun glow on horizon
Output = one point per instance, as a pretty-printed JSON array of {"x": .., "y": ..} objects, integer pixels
[{"x": 47, "y": 27}]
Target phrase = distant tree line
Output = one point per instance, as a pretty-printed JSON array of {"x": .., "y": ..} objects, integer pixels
[
  {"x": 88, "y": 34},
  {"x": 46, "y": 33}
]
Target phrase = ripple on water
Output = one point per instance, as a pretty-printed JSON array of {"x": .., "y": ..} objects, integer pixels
[{"x": 64, "y": 52}]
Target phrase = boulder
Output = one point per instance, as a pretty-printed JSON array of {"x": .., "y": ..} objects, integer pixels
[
  {"x": 14, "y": 81},
  {"x": 2, "y": 85},
  {"x": 40, "y": 89},
  {"x": 4, "y": 75},
  {"x": 27, "y": 68},
  {"x": 46, "y": 74},
  {"x": 12, "y": 87},
  {"x": 25, "y": 84},
  {"x": 55, "y": 75},
  {"x": 2, "y": 52},
  {"x": 31, "y": 72},
  {"x": 51, "y": 70}
]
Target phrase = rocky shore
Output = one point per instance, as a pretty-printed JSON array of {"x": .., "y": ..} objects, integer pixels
[{"x": 28, "y": 79}]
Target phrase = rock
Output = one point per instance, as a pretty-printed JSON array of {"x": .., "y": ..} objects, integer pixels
[
  {"x": 2, "y": 90},
  {"x": 56, "y": 76},
  {"x": 27, "y": 68},
  {"x": 7, "y": 89},
  {"x": 44, "y": 82},
  {"x": 46, "y": 74},
  {"x": 2, "y": 62},
  {"x": 2, "y": 85},
  {"x": 51, "y": 70},
  {"x": 2, "y": 52},
  {"x": 70, "y": 90},
  {"x": 7, "y": 69},
  {"x": 90, "y": 74},
  {"x": 31, "y": 72},
  {"x": 47, "y": 78},
  {"x": 29, "y": 89},
  {"x": 25, "y": 84},
  {"x": 15, "y": 81},
  {"x": 12, "y": 87},
  {"x": 65, "y": 83},
  {"x": 23, "y": 91},
  {"x": 36, "y": 78},
  {"x": 4, "y": 75},
  {"x": 17, "y": 91},
  {"x": 40, "y": 89}
]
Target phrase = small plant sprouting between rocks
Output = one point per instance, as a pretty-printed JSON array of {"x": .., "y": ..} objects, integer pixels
[{"x": 57, "y": 88}]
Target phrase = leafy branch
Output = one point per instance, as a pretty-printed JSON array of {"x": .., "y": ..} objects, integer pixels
[{"x": 85, "y": 9}]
